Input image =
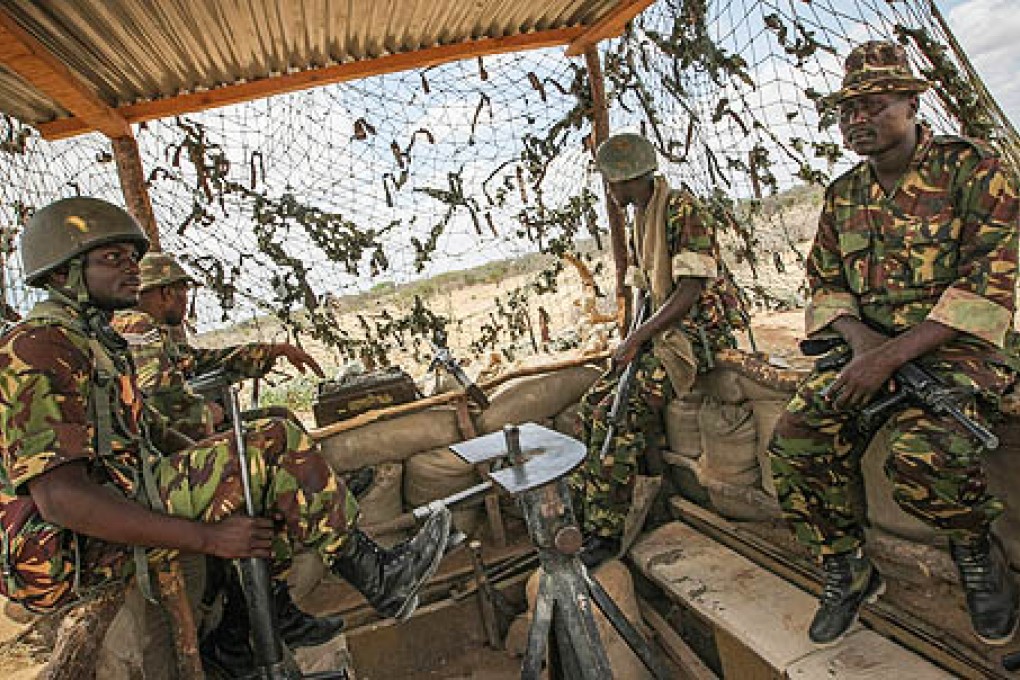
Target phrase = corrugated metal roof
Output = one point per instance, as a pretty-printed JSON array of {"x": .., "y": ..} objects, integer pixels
[{"x": 130, "y": 51}]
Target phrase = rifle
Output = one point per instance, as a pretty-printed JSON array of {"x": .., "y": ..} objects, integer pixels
[
  {"x": 271, "y": 663},
  {"x": 626, "y": 382},
  {"x": 443, "y": 358},
  {"x": 914, "y": 384}
]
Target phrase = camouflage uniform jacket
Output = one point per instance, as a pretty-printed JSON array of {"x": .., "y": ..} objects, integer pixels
[
  {"x": 694, "y": 251},
  {"x": 52, "y": 386},
  {"x": 165, "y": 363},
  {"x": 942, "y": 246}
]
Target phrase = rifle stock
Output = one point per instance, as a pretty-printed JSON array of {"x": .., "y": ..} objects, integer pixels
[{"x": 625, "y": 384}]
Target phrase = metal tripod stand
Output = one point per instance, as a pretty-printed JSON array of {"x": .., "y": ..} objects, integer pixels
[{"x": 539, "y": 461}]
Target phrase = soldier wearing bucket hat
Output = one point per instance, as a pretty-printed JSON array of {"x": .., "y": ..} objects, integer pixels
[
  {"x": 915, "y": 259},
  {"x": 675, "y": 259}
]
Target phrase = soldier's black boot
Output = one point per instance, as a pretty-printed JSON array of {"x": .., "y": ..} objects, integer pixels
[
  {"x": 299, "y": 629},
  {"x": 227, "y": 649},
  {"x": 990, "y": 589},
  {"x": 391, "y": 578},
  {"x": 850, "y": 581}
]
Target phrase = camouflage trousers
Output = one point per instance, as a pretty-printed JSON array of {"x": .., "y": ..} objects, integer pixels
[
  {"x": 290, "y": 481},
  {"x": 602, "y": 488},
  {"x": 934, "y": 464}
]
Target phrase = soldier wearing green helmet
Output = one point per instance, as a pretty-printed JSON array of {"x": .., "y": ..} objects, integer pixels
[
  {"x": 88, "y": 470},
  {"x": 674, "y": 259}
]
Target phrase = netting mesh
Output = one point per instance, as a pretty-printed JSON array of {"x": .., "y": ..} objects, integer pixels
[{"x": 288, "y": 207}]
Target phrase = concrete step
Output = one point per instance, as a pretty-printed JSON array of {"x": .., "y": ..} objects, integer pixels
[{"x": 759, "y": 620}]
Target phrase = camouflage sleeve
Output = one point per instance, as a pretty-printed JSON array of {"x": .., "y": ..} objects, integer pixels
[
  {"x": 831, "y": 297},
  {"x": 690, "y": 231},
  {"x": 253, "y": 360},
  {"x": 982, "y": 299},
  {"x": 44, "y": 415},
  {"x": 145, "y": 340}
]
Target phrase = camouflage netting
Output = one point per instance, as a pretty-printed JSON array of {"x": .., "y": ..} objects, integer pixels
[{"x": 287, "y": 207}]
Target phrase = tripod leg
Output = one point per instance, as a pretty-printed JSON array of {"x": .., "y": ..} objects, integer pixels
[
  {"x": 580, "y": 646},
  {"x": 624, "y": 627},
  {"x": 538, "y": 635}
]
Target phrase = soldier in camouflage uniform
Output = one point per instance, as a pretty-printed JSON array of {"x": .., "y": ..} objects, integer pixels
[
  {"x": 675, "y": 260},
  {"x": 915, "y": 259},
  {"x": 81, "y": 480},
  {"x": 165, "y": 360}
]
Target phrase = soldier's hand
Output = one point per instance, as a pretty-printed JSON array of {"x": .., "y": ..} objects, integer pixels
[
  {"x": 627, "y": 350},
  {"x": 861, "y": 379},
  {"x": 240, "y": 536},
  {"x": 299, "y": 359}
]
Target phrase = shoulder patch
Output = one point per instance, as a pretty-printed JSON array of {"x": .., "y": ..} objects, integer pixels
[
  {"x": 142, "y": 339},
  {"x": 982, "y": 148}
]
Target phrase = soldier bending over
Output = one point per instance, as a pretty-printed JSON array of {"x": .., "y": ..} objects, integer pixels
[{"x": 675, "y": 260}]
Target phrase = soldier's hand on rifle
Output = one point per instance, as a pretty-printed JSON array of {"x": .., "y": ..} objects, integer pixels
[
  {"x": 298, "y": 358},
  {"x": 862, "y": 379},
  {"x": 240, "y": 536},
  {"x": 628, "y": 348}
]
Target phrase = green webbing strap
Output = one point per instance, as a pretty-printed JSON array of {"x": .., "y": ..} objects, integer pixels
[{"x": 104, "y": 447}]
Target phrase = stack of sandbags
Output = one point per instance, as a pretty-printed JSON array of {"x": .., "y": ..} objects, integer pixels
[
  {"x": 728, "y": 443},
  {"x": 384, "y": 501},
  {"x": 138, "y": 643},
  {"x": 617, "y": 581},
  {"x": 766, "y": 415},
  {"x": 439, "y": 473},
  {"x": 391, "y": 440},
  {"x": 537, "y": 398}
]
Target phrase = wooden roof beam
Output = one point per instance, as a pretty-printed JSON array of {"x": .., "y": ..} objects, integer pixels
[
  {"x": 291, "y": 82},
  {"x": 25, "y": 56},
  {"x": 608, "y": 26}
]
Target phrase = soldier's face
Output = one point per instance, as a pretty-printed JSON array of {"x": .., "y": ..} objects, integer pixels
[
  {"x": 636, "y": 192},
  {"x": 874, "y": 123},
  {"x": 175, "y": 302},
  {"x": 112, "y": 276}
]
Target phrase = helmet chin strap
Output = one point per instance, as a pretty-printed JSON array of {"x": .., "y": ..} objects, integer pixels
[{"x": 76, "y": 294}]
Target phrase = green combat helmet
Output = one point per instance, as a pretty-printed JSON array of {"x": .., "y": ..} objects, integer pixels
[
  {"x": 625, "y": 156},
  {"x": 69, "y": 227},
  {"x": 162, "y": 269}
]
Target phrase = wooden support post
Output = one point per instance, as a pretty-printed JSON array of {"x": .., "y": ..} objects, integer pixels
[
  {"x": 617, "y": 220},
  {"x": 132, "y": 184}
]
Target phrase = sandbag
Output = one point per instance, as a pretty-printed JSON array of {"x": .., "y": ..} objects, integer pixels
[
  {"x": 1004, "y": 481},
  {"x": 392, "y": 440},
  {"x": 618, "y": 583},
  {"x": 439, "y": 473},
  {"x": 766, "y": 414},
  {"x": 728, "y": 439},
  {"x": 568, "y": 421},
  {"x": 682, "y": 431},
  {"x": 138, "y": 642},
  {"x": 536, "y": 398},
  {"x": 383, "y": 501},
  {"x": 435, "y": 474},
  {"x": 722, "y": 384}
]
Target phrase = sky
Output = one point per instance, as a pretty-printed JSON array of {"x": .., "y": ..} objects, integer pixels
[{"x": 989, "y": 31}]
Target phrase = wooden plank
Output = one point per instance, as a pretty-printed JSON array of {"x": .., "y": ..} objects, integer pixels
[
  {"x": 303, "y": 80},
  {"x": 608, "y": 26},
  {"x": 22, "y": 54},
  {"x": 134, "y": 188},
  {"x": 691, "y": 665},
  {"x": 907, "y": 629}
]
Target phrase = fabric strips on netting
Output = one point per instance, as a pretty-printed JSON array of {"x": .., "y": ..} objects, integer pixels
[{"x": 353, "y": 214}]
